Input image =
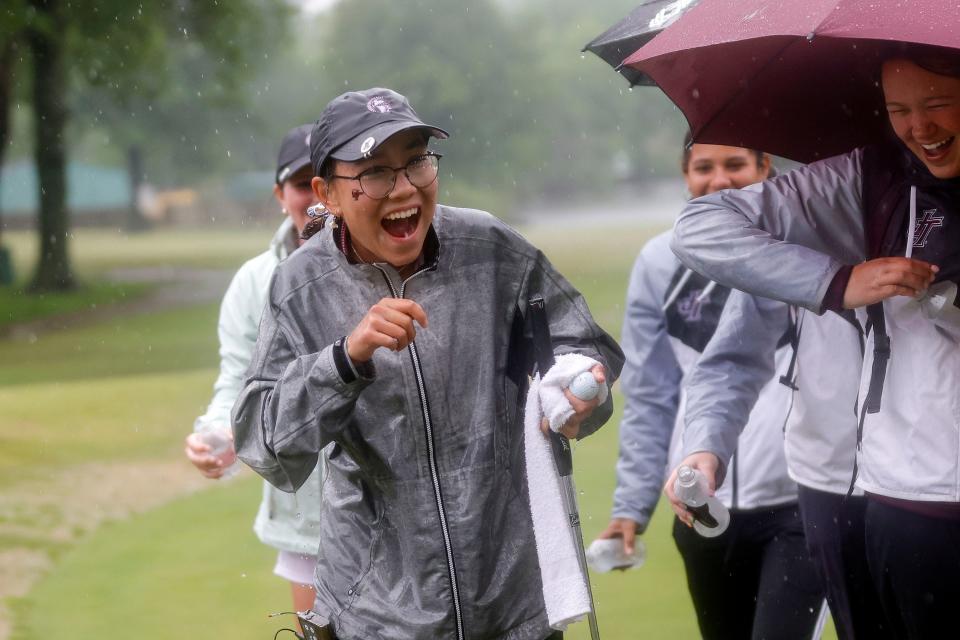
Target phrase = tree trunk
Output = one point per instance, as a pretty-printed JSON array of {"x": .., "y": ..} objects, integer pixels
[
  {"x": 6, "y": 82},
  {"x": 50, "y": 119},
  {"x": 6, "y": 86},
  {"x": 135, "y": 220}
]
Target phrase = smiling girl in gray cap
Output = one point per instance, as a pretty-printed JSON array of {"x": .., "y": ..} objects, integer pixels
[{"x": 396, "y": 332}]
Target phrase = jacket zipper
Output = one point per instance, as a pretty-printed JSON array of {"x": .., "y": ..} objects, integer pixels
[{"x": 431, "y": 457}]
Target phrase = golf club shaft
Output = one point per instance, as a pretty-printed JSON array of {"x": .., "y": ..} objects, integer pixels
[
  {"x": 570, "y": 504},
  {"x": 560, "y": 446}
]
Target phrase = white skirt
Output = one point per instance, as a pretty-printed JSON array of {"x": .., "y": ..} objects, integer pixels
[{"x": 295, "y": 567}]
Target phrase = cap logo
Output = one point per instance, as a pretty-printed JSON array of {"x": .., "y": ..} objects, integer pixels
[
  {"x": 379, "y": 104},
  {"x": 367, "y": 145}
]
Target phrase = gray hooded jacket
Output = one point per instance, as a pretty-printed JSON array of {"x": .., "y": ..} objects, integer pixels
[
  {"x": 425, "y": 528},
  {"x": 785, "y": 239}
]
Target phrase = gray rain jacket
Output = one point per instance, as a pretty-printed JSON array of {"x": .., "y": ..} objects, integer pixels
[
  {"x": 670, "y": 319},
  {"x": 428, "y": 535},
  {"x": 786, "y": 239},
  {"x": 820, "y": 434}
]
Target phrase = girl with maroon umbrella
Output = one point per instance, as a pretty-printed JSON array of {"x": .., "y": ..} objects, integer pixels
[{"x": 876, "y": 230}]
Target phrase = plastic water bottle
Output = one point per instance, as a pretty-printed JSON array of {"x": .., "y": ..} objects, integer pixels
[
  {"x": 941, "y": 303},
  {"x": 607, "y": 555},
  {"x": 710, "y": 517},
  {"x": 221, "y": 446}
]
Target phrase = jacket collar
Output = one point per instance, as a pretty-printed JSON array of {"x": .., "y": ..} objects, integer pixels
[{"x": 284, "y": 241}]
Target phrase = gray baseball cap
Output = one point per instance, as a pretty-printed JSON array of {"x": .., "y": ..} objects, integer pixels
[
  {"x": 355, "y": 123},
  {"x": 294, "y": 152}
]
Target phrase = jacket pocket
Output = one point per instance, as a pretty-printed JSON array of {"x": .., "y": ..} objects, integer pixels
[{"x": 355, "y": 587}]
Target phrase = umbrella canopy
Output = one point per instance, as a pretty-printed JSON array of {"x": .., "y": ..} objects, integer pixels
[
  {"x": 797, "y": 79},
  {"x": 638, "y": 28}
]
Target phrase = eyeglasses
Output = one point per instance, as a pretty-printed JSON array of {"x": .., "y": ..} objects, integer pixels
[{"x": 378, "y": 182}]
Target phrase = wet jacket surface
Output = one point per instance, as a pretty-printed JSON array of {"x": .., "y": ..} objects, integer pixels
[
  {"x": 426, "y": 532},
  {"x": 670, "y": 318},
  {"x": 786, "y": 238},
  {"x": 820, "y": 432}
]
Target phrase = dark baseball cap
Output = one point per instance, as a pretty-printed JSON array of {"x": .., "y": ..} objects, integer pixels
[
  {"x": 355, "y": 123},
  {"x": 294, "y": 152}
]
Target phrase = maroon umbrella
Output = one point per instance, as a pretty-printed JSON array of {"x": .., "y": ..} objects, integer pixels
[{"x": 797, "y": 78}]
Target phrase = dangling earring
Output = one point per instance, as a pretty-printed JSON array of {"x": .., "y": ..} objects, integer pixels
[
  {"x": 319, "y": 216},
  {"x": 283, "y": 211}
]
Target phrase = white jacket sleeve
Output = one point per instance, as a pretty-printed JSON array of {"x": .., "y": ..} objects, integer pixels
[
  {"x": 237, "y": 330},
  {"x": 785, "y": 238},
  {"x": 727, "y": 379},
  {"x": 651, "y": 387}
]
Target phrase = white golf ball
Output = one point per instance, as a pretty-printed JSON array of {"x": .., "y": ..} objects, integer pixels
[{"x": 585, "y": 386}]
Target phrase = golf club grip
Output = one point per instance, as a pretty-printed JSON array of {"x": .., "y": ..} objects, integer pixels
[{"x": 543, "y": 352}]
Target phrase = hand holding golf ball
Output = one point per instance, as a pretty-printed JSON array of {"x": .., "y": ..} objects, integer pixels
[
  {"x": 582, "y": 394},
  {"x": 585, "y": 386}
]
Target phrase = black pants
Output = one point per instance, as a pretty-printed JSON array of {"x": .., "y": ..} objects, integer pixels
[
  {"x": 753, "y": 581},
  {"x": 834, "y": 527},
  {"x": 915, "y": 564}
]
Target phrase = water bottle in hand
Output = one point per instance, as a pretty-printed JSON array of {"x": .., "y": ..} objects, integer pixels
[
  {"x": 608, "y": 554},
  {"x": 710, "y": 516},
  {"x": 220, "y": 442}
]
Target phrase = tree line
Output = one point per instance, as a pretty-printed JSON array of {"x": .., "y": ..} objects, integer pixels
[{"x": 202, "y": 88}]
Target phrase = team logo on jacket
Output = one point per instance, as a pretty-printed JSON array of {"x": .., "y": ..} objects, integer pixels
[
  {"x": 690, "y": 306},
  {"x": 925, "y": 226}
]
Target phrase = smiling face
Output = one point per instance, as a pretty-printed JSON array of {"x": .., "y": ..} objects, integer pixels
[
  {"x": 712, "y": 167},
  {"x": 295, "y": 195},
  {"x": 924, "y": 111},
  {"x": 393, "y": 229}
]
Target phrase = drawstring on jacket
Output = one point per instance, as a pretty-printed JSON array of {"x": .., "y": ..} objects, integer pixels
[{"x": 881, "y": 345}]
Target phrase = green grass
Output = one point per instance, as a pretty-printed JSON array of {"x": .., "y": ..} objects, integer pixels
[
  {"x": 176, "y": 340},
  {"x": 94, "y": 251},
  {"x": 128, "y": 389},
  {"x": 191, "y": 569},
  {"x": 17, "y": 306},
  {"x": 47, "y": 427}
]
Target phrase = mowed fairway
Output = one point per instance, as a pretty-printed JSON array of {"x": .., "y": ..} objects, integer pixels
[{"x": 106, "y": 532}]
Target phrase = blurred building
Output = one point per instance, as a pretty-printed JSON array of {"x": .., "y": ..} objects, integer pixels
[{"x": 101, "y": 196}]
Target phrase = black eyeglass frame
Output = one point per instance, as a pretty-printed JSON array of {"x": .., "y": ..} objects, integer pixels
[{"x": 404, "y": 168}]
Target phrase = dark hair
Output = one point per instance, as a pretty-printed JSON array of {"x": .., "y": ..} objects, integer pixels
[
  {"x": 326, "y": 169},
  {"x": 938, "y": 60},
  {"x": 688, "y": 145}
]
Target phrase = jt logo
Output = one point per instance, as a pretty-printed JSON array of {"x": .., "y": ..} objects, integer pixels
[
  {"x": 925, "y": 226},
  {"x": 690, "y": 306}
]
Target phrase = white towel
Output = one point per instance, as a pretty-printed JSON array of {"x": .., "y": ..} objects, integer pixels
[
  {"x": 564, "y": 583},
  {"x": 555, "y": 404}
]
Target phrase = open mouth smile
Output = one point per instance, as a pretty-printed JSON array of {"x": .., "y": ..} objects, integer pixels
[
  {"x": 401, "y": 224},
  {"x": 937, "y": 150}
]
